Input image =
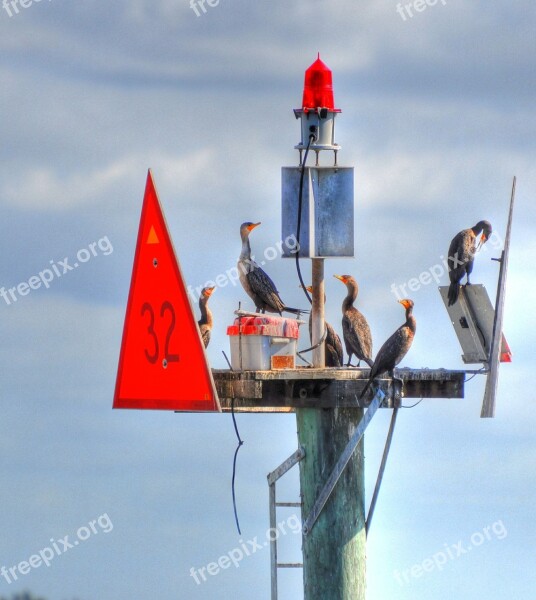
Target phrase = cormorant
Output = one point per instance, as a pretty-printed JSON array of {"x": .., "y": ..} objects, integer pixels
[
  {"x": 259, "y": 287},
  {"x": 205, "y": 322},
  {"x": 395, "y": 348},
  {"x": 461, "y": 256},
  {"x": 355, "y": 329},
  {"x": 333, "y": 346}
]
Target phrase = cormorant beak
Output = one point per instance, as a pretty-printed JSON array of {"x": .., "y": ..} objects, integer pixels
[
  {"x": 309, "y": 288},
  {"x": 404, "y": 303},
  {"x": 209, "y": 291},
  {"x": 252, "y": 226},
  {"x": 340, "y": 278}
]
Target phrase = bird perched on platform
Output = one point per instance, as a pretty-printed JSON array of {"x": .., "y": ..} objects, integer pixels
[
  {"x": 333, "y": 345},
  {"x": 258, "y": 286},
  {"x": 355, "y": 329},
  {"x": 461, "y": 256},
  {"x": 205, "y": 322},
  {"x": 395, "y": 348}
]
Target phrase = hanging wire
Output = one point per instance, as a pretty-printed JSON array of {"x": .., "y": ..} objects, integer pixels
[
  {"x": 298, "y": 229},
  {"x": 413, "y": 405},
  {"x": 475, "y": 374},
  {"x": 320, "y": 341},
  {"x": 240, "y": 442}
]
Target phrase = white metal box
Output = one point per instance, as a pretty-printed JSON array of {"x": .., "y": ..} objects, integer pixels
[{"x": 262, "y": 343}]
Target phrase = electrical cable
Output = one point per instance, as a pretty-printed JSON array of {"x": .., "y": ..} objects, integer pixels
[
  {"x": 320, "y": 341},
  {"x": 312, "y": 137},
  {"x": 298, "y": 228},
  {"x": 413, "y": 405},
  {"x": 240, "y": 442},
  {"x": 475, "y": 374}
]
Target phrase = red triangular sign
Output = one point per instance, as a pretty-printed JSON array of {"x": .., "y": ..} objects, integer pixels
[
  {"x": 162, "y": 364},
  {"x": 506, "y": 353}
]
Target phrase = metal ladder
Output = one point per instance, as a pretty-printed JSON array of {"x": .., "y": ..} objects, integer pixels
[{"x": 272, "y": 478}]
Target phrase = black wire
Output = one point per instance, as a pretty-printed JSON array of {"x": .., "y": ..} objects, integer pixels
[
  {"x": 240, "y": 442},
  {"x": 413, "y": 405},
  {"x": 300, "y": 198},
  {"x": 475, "y": 374}
]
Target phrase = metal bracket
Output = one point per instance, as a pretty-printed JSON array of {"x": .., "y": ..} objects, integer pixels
[
  {"x": 382, "y": 469},
  {"x": 341, "y": 463}
]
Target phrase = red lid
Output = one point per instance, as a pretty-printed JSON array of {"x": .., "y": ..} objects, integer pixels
[
  {"x": 264, "y": 325},
  {"x": 318, "y": 87}
]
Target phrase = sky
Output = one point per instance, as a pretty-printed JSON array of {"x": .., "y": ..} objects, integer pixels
[{"x": 437, "y": 117}]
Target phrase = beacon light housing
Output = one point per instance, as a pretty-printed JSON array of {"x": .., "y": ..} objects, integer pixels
[
  {"x": 318, "y": 110},
  {"x": 327, "y": 208}
]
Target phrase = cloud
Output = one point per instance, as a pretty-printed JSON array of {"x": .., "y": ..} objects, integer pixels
[{"x": 44, "y": 189}]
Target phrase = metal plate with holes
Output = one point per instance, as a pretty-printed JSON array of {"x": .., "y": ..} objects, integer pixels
[{"x": 472, "y": 318}]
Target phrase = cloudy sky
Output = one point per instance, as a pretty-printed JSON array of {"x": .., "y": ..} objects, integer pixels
[{"x": 437, "y": 116}]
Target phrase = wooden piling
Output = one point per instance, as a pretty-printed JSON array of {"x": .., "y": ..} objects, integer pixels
[{"x": 334, "y": 564}]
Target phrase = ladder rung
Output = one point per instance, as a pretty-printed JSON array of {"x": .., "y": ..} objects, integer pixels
[
  {"x": 288, "y": 503},
  {"x": 289, "y": 565}
]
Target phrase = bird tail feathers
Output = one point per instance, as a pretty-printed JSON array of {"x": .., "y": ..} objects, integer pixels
[
  {"x": 296, "y": 311},
  {"x": 454, "y": 291}
]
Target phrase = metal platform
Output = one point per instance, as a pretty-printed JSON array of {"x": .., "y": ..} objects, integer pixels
[{"x": 286, "y": 390}]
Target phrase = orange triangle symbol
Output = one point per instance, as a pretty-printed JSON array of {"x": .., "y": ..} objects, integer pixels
[{"x": 153, "y": 238}]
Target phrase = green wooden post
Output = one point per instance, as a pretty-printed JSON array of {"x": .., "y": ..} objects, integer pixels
[{"x": 334, "y": 551}]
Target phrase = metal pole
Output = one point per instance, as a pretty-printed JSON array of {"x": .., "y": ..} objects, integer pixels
[
  {"x": 273, "y": 543},
  {"x": 317, "y": 314},
  {"x": 488, "y": 404}
]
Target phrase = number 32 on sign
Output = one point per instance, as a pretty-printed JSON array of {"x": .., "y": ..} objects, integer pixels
[{"x": 162, "y": 364}]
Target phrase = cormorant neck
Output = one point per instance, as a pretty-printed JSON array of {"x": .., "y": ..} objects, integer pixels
[
  {"x": 350, "y": 298},
  {"x": 410, "y": 319},
  {"x": 206, "y": 314},
  {"x": 246, "y": 248}
]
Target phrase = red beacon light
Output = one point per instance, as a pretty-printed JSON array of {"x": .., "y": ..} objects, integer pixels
[
  {"x": 318, "y": 88},
  {"x": 318, "y": 110}
]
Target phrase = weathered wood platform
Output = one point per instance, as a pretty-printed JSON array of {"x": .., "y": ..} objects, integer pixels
[{"x": 286, "y": 390}]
